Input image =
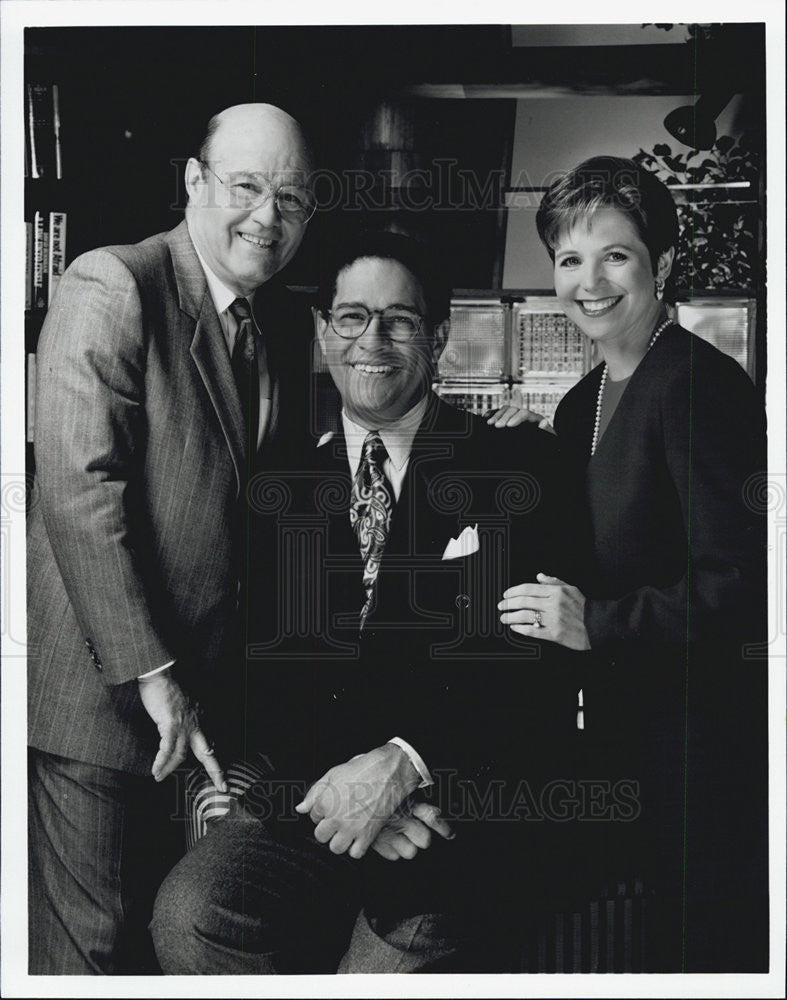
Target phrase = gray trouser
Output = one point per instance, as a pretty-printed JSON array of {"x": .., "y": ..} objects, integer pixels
[
  {"x": 100, "y": 842},
  {"x": 261, "y": 896}
]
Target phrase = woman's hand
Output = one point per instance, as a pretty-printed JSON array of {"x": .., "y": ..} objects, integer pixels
[
  {"x": 560, "y": 607},
  {"x": 513, "y": 416}
]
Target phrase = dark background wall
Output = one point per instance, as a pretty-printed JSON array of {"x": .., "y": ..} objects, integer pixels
[
  {"x": 135, "y": 101},
  {"x": 436, "y": 105}
]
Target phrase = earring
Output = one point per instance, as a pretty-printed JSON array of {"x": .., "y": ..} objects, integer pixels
[{"x": 659, "y": 288}]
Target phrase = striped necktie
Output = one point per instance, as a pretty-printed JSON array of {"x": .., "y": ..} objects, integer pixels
[
  {"x": 371, "y": 506},
  {"x": 246, "y": 372}
]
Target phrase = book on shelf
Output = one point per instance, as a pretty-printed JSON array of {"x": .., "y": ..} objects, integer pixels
[
  {"x": 56, "y": 123},
  {"x": 57, "y": 251},
  {"x": 42, "y": 135},
  {"x": 46, "y": 257},
  {"x": 29, "y": 265},
  {"x": 31, "y": 397},
  {"x": 45, "y": 268},
  {"x": 39, "y": 292}
]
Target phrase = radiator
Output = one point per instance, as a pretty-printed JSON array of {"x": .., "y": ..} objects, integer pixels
[{"x": 606, "y": 934}]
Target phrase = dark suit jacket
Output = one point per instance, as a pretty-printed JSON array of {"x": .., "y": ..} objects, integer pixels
[
  {"x": 491, "y": 713},
  {"x": 433, "y": 664},
  {"x": 679, "y": 544},
  {"x": 673, "y": 498},
  {"x": 140, "y": 465},
  {"x": 675, "y": 696}
]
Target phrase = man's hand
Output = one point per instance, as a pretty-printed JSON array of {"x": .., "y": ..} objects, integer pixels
[
  {"x": 409, "y": 831},
  {"x": 178, "y": 726},
  {"x": 351, "y": 803}
]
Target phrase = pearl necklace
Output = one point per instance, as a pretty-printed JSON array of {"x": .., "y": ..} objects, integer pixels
[{"x": 600, "y": 398}]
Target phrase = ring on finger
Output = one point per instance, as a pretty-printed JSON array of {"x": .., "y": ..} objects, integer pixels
[{"x": 537, "y": 620}]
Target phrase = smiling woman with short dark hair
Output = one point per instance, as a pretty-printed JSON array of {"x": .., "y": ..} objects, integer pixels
[{"x": 670, "y": 436}]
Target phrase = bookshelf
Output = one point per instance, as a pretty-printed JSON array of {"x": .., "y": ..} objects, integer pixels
[{"x": 45, "y": 210}]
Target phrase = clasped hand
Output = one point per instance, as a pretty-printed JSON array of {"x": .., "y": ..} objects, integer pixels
[
  {"x": 178, "y": 725},
  {"x": 352, "y": 802},
  {"x": 409, "y": 831}
]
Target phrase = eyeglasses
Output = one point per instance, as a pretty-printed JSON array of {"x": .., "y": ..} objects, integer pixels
[
  {"x": 247, "y": 193},
  {"x": 352, "y": 322}
]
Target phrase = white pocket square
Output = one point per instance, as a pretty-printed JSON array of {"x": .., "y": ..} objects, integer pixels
[{"x": 465, "y": 545}]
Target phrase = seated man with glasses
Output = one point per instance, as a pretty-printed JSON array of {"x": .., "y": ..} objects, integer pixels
[{"x": 400, "y": 717}]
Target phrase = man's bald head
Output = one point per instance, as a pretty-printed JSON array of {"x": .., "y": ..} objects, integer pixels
[
  {"x": 264, "y": 119},
  {"x": 249, "y": 194}
]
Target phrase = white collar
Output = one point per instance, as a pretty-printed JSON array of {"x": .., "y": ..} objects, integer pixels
[
  {"x": 397, "y": 437},
  {"x": 222, "y": 296}
]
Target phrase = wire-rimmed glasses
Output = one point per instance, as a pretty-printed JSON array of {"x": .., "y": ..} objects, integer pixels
[{"x": 248, "y": 191}]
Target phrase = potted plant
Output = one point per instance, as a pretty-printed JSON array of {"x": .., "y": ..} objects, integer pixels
[{"x": 716, "y": 192}]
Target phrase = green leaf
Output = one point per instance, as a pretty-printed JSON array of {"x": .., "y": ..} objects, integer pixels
[
  {"x": 662, "y": 149},
  {"x": 724, "y": 143}
]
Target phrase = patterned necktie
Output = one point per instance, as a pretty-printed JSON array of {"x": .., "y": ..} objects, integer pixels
[
  {"x": 371, "y": 505},
  {"x": 246, "y": 372}
]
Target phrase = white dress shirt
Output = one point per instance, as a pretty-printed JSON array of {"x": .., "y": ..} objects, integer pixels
[{"x": 398, "y": 441}]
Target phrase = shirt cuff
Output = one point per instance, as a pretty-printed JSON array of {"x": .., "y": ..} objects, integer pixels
[
  {"x": 152, "y": 673},
  {"x": 415, "y": 759}
]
